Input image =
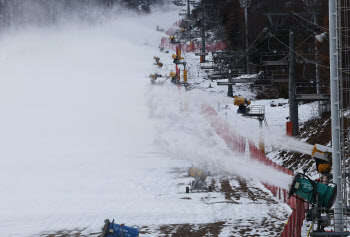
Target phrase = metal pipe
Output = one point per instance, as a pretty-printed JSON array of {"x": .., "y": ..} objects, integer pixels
[
  {"x": 230, "y": 88},
  {"x": 341, "y": 105},
  {"x": 246, "y": 37},
  {"x": 203, "y": 37},
  {"x": 317, "y": 72},
  {"x": 334, "y": 87},
  {"x": 293, "y": 105},
  {"x": 188, "y": 17}
]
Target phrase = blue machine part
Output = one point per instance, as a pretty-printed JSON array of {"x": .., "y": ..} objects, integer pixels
[{"x": 110, "y": 229}]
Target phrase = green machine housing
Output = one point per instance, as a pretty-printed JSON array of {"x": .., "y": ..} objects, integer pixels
[{"x": 302, "y": 186}]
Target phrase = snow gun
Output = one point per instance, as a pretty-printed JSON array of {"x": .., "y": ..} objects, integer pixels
[
  {"x": 177, "y": 58},
  {"x": 314, "y": 192},
  {"x": 242, "y": 104},
  {"x": 241, "y": 101},
  {"x": 323, "y": 158},
  {"x": 197, "y": 173},
  {"x": 154, "y": 76},
  {"x": 159, "y": 64},
  {"x": 156, "y": 58},
  {"x": 199, "y": 183},
  {"x": 173, "y": 40},
  {"x": 110, "y": 229}
]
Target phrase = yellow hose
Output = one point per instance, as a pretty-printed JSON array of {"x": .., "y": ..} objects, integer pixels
[{"x": 308, "y": 233}]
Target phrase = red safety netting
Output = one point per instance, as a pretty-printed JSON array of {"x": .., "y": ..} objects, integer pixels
[
  {"x": 237, "y": 143},
  {"x": 193, "y": 47},
  {"x": 175, "y": 27}
]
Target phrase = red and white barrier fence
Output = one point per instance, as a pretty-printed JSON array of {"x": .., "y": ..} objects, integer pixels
[
  {"x": 175, "y": 27},
  {"x": 237, "y": 143},
  {"x": 193, "y": 47}
]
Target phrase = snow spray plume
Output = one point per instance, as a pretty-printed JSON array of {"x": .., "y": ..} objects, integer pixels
[
  {"x": 49, "y": 12},
  {"x": 187, "y": 135},
  {"x": 250, "y": 128},
  {"x": 291, "y": 144},
  {"x": 40, "y": 13}
]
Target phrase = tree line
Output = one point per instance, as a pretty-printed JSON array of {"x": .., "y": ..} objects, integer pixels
[{"x": 17, "y": 12}]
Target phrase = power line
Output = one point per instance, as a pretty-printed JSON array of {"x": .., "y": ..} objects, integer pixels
[
  {"x": 303, "y": 25},
  {"x": 343, "y": 44},
  {"x": 303, "y": 41},
  {"x": 253, "y": 44},
  {"x": 310, "y": 21},
  {"x": 307, "y": 60}
]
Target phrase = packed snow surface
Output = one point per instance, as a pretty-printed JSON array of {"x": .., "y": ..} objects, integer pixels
[
  {"x": 77, "y": 142},
  {"x": 85, "y": 137}
]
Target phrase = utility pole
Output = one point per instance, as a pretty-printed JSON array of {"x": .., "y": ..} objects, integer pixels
[
  {"x": 245, "y": 4},
  {"x": 203, "y": 38},
  {"x": 293, "y": 105},
  {"x": 230, "y": 88},
  {"x": 188, "y": 28},
  {"x": 52, "y": 12},
  {"x": 319, "y": 109},
  {"x": 335, "y": 118}
]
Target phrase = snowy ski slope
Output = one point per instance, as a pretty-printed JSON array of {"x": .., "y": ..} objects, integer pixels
[{"x": 84, "y": 137}]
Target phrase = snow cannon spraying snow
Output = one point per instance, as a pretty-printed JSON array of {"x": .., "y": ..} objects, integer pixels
[
  {"x": 197, "y": 173},
  {"x": 174, "y": 77},
  {"x": 159, "y": 64},
  {"x": 323, "y": 158},
  {"x": 314, "y": 192},
  {"x": 154, "y": 76},
  {"x": 177, "y": 58},
  {"x": 322, "y": 152},
  {"x": 199, "y": 182},
  {"x": 173, "y": 39},
  {"x": 110, "y": 229},
  {"x": 242, "y": 103}
]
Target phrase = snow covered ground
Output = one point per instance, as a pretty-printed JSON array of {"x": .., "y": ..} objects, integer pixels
[
  {"x": 85, "y": 137},
  {"x": 77, "y": 143}
]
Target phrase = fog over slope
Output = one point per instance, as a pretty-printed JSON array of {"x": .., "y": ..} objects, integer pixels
[
  {"x": 75, "y": 132},
  {"x": 85, "y": 137},
  {"x": 17, "y": 13}
]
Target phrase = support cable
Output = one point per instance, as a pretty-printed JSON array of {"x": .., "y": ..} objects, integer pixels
[
  {"x": 313, "y": 23},
  {"x": 297, "y": 52},
  {"x": 253, "y": 44}
]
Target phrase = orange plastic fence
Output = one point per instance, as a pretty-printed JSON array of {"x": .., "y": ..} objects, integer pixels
[{"x": 238, "y": 143}]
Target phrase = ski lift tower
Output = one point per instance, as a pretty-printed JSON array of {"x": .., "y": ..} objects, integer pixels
[
  {"x": 340, "y": 103},
  {"x": 246, "y": 4},
  {"x": 188, "y": 17}
]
